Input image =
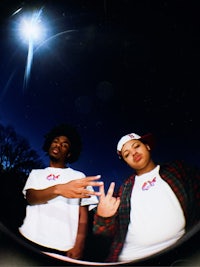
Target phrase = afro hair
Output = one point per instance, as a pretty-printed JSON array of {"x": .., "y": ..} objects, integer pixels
[{"x": 71, "y": 133}]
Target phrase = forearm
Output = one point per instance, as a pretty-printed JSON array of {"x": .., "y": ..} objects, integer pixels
[
  {"x": 42, "y": 196},
  {"x": 81, "y": 236},
  {"x": 104, "y": 226},
  {"x": 73, "y": 189},
  {"x": 78, "y": 249},
  {"x": 82, "y": 227}
]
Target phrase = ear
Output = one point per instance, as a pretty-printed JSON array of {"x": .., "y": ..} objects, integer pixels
[
  {"x": 148, "y": 147},
  {"x": 68, "y": 155}
]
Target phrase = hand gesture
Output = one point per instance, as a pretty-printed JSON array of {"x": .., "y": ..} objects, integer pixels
[
  {"x": 108, "y": 205},
  {"x": 72, "y": 189},
  {"x": 77, "y": 188}
]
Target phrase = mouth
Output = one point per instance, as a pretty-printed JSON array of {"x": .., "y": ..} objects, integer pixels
[
  {"x": 137, "y": 158},
  {"x": 55, "y": 151}
]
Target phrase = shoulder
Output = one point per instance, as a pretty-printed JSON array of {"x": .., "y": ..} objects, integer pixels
[
  {"x": 130, "y": 179},
  {"x": 177, "y": 164},
  {"x": 179, "y": 168},
  {"x": 127, "y": 184},
  {"x": 75, "y": 173},
  {"x": 38, "y": 171}
]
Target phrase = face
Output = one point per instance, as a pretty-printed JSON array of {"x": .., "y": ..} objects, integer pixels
[
  {"x": 60, "y": 149},
  {"x": 137, "y": 155}
]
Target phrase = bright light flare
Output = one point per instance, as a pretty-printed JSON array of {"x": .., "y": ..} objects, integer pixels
[
  {"x": 31, "y": 28},
  {"x": 32, "y": 32}
]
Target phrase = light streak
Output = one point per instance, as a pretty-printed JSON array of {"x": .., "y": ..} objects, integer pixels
[
  {"x": 17, "y": 11},
  {"x": 33, "y": 32}
]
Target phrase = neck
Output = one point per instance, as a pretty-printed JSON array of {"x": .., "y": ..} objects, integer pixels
[
  {"x": 147, "y": 168},
  {"x": 57, "y": 165}
]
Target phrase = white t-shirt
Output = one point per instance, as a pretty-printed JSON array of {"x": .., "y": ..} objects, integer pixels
[
  {"x": 156, "y": 218},
  {"x": 55, "y": 223}
]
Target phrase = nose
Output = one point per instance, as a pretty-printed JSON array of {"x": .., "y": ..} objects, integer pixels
[
  {"x": 58, "y": 144},
  {"x": 133, "y": 151}
]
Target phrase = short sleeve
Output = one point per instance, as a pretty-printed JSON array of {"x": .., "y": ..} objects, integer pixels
[
  {"x": 30, "y": 182},
  {"x": 91, "y": 202}
]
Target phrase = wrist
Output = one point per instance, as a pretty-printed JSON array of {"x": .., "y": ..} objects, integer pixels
[{"x": 57, "y": 190}]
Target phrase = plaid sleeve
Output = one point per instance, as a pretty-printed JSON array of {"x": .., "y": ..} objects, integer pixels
[
  {"x": 184, "y": 179},
  {"x": 192, "y": 183},
  {"x": 104, "y": 226}
]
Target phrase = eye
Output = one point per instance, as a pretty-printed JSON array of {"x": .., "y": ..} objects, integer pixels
[
  {"x": 136, "y": 145},
  {"x": 126, "y": 155},
  {"x": 65, "y": 145}
]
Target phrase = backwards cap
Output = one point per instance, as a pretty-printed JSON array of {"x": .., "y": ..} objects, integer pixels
[{"x": 147, "y": 138}]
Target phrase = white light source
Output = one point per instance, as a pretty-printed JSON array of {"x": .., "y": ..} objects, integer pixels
[
  {"x": 32, "y": 31},
  {"x": 31, "y": 28}
]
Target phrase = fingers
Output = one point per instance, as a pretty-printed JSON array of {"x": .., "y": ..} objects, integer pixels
[
  {"x": 102, "y": 191},
  {"x": 111, "y": 189},
  {"x": 94, "y": 184},
  {"x": 90, "y": 180},
  {"x": 87, "y": 193},
  {"x": 117, "y": 202}
]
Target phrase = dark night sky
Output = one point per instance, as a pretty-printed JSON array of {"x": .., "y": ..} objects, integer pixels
[{"x": 110, "y": 68}]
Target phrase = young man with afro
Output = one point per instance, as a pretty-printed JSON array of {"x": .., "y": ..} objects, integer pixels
[{"x": 59, "y": 197}]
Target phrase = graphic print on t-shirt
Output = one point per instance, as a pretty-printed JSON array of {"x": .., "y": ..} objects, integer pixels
[
  {"x": 148, "y": 184},
  {"x": 52, "y": 177}
]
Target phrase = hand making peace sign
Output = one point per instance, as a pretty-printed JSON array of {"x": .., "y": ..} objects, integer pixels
[{"x": 108, "y": 205}]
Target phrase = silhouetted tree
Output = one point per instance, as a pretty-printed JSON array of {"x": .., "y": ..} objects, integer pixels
[
  {"x": 16, "y": 153},
  {"x": 17, "y": 159}
]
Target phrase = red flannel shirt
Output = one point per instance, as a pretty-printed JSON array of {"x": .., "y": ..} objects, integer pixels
[{"x": 184, "y": 181}]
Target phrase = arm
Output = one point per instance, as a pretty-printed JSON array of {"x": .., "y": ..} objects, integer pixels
[
  {"x": 72, "y": 189},
  {"x": 104, "y": 226},
  {"x": 77, "y": 251}
]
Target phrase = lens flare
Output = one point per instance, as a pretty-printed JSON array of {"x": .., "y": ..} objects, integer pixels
[{"x": 32, "y": 32}]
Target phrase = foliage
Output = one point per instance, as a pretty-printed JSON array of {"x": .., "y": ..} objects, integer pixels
[
  {"x": 16, "y": 153},
  {"x": 17, "y": 159}
]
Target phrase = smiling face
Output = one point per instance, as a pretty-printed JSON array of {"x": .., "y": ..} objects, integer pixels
[
  {"x": 59, "y": 151},
  {"x": 137, "y": 155}
]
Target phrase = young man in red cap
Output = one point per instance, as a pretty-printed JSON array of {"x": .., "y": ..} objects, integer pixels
[{"x": 154, "y": 207}]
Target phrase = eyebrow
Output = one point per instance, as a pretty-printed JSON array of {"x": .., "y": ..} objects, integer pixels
[
  {"x": 64, "y": 141},
  {"x": 130, "y": 146}
]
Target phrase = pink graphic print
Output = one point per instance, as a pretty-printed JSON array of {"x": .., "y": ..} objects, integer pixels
[
  {"x": 51, "y": 177},
  {"x": 149, "y": 184}
]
